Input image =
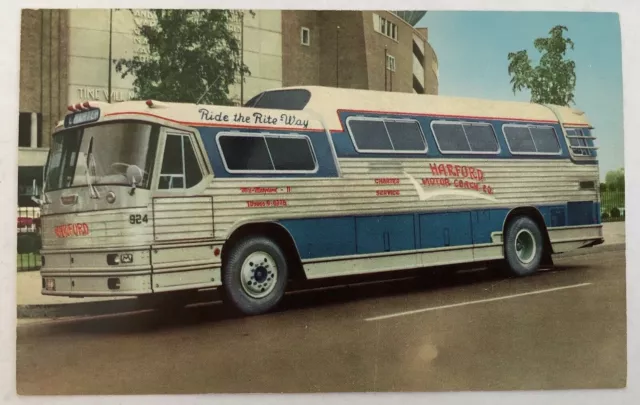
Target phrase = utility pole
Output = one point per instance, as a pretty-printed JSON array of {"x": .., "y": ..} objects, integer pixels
[
  {"x": 385, "y": 68},
  {"x": 110, "y": 52},
  {"x": 242, "y": 58},
  {"x": 391, "y": 75},
  {"x": 337, "y": 56}
]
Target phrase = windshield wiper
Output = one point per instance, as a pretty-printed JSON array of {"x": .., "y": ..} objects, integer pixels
[{"x": 92, "y": 188}]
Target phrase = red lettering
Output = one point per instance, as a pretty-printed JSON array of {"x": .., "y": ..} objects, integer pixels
[
  {"x": 387, "y": 181},
  {"x": 268, "y": 203},
  {"x": 442, "y": 170},
  {"x": 465, "y": 171},
  {"x": 387, "y": 192},
  {"x": 434, "y": 169},
  {"x": 450, "y": 171},
  {"x": 67, "y": 230},
  {"x": 480, "y": 175},
  {"x": 458, "y": 169}
]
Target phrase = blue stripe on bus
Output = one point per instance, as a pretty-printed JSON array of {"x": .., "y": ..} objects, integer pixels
[
  {"x": 326, "y": 162},
  {"x": 345, "y": 148},
  {"x": 352, "y": 235}
]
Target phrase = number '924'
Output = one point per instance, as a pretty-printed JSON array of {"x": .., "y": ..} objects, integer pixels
[{"x": 136, "y": 219}]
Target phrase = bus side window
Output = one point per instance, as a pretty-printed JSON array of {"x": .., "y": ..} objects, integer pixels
[{"x": 180, "y": 167}]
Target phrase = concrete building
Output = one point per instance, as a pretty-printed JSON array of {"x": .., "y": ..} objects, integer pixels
[
  {"x": 375, "y": 50},
  {"x": 89, "y": 32}
]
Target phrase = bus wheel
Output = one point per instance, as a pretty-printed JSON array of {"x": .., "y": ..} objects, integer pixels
[
  {"x": 255, "y": 275},
  {"x": 523, "y": 246}
]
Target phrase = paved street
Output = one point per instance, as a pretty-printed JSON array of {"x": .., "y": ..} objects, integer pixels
[{"x": 560, "y": 329}]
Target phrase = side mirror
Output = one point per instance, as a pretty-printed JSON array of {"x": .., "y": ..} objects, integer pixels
[{"x": 134, "y": 176}]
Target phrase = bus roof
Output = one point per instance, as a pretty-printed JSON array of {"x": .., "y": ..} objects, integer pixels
[
  {"x": 314, "y": 107},
  {"x": 330, "y": 101}
]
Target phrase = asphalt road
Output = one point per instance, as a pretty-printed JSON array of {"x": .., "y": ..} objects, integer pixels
[{"x": 564, "y": 328}]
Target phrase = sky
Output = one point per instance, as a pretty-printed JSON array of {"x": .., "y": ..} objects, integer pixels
[{"x": 472, "y": 49}]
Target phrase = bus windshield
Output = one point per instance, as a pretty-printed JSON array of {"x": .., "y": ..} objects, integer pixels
[{"x": 101, "y": 155}]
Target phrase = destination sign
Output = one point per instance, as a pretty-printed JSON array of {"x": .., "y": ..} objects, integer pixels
[{"x": 82, "y": 117}]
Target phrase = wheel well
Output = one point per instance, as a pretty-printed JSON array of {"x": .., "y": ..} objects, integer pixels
[
  {"x": 534, "y": 215},
  {"x": 275, "y": 232}
]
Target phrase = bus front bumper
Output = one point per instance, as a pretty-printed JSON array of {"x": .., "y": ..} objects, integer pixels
[{"x": 122, "y": 272}]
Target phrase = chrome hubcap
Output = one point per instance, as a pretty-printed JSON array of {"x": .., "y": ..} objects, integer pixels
[
  {"x": 259, "y": 274},
  {"x": 525, "y": 246}
]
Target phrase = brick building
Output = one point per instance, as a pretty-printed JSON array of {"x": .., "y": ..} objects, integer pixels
[
  {"x": 374, "y": 50},
  {"x": 44, "y": 46}
]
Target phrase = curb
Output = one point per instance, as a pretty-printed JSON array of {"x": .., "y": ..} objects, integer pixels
[
  {"x": 121, "y": 305},
  {"x": 97, "y": 308},
  {"x": 78, "y": 309}
]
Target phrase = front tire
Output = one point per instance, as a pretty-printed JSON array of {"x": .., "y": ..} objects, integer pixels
[
  {"x": 255, "y": 275},
  {"x": 523, "y": 247}
]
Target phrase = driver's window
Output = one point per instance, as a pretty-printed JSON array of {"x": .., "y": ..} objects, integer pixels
[{"x": 180, "y": 167}]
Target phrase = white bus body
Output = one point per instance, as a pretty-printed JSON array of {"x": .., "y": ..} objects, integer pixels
[{"x": 309, "y": 182}]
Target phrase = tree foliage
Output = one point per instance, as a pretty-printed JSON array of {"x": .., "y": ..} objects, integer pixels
[
  {"x": 553, "y": 80},
  {"x": 190, "y": 52},
  {"x": 615, "y": 180}
]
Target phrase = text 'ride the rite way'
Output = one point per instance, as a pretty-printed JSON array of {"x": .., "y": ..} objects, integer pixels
[{"x": 256, "y": 118}]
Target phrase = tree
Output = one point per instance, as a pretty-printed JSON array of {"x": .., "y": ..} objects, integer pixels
[
  {"x": 553, "y": 81},
  {"x": 603, "y": 187},
  {"x": 190, "y": 52},
  {"x": 615, "y": 180}
]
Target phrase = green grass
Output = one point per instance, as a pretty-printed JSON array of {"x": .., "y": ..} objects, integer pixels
[{"x": 28, "y": 261}]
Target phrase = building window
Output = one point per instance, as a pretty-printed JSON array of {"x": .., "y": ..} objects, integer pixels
[
  {"x": 391, "y": 63},
  {"x": 305, "y": 36},
  {"x": 30, "y": 130},
  {"x": 385, "y": 27}
]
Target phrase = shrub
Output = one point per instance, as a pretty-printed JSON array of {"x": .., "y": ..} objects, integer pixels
[{"x": 615, "y": 212}]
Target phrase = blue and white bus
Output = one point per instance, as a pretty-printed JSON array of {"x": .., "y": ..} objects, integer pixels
[{"x": 147, "y": 198}]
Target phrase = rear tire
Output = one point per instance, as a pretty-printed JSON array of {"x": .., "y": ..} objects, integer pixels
[
  {"x": 255, "y": 275},
  {"x": 523, "y": 247}
]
